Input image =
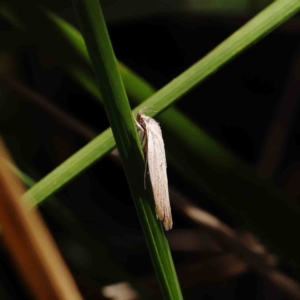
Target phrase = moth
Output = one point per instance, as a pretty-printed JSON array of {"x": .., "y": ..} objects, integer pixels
[{"x": 155, "y": 161}]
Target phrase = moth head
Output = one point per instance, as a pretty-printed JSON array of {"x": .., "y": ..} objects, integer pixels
[{"x": 141, "y": 117}]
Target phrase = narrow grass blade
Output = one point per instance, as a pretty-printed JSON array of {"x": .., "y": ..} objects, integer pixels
[{"x": 119, "y": 113}]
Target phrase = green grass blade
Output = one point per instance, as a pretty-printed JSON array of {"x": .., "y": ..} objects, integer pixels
[
  {"x": 72, "y": 167},
  {"x": 119, "y": 113},
  {"x": 24, "y": 177},
  {"x": 264, "y": 22}
]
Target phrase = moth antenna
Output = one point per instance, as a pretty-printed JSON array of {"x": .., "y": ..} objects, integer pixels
[
  {"x": 146, "y": 163},
  {"x": 144, "y": 109},
  {"x": 145, "y": 172}
]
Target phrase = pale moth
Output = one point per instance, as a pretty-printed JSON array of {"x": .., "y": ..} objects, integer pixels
[{"x": 155, "y": 161}]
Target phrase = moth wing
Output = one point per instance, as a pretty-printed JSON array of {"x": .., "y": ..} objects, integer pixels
[{"x": 157, "y": 166}]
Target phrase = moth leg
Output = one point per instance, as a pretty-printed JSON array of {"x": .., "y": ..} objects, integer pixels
[
  {"x": 145, "y": 146},
  {"x": 143, "y": 140},
  {"x": 141, "y": 133},
  {"x": 136, "y": 122}
]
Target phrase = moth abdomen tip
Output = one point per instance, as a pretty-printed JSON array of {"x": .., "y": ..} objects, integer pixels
[
  {"x": 165, "y": 219},
  {"x": 168, "y": 223}
]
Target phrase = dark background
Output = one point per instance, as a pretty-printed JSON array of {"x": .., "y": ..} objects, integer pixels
[{"x": 93, "y": 218}]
